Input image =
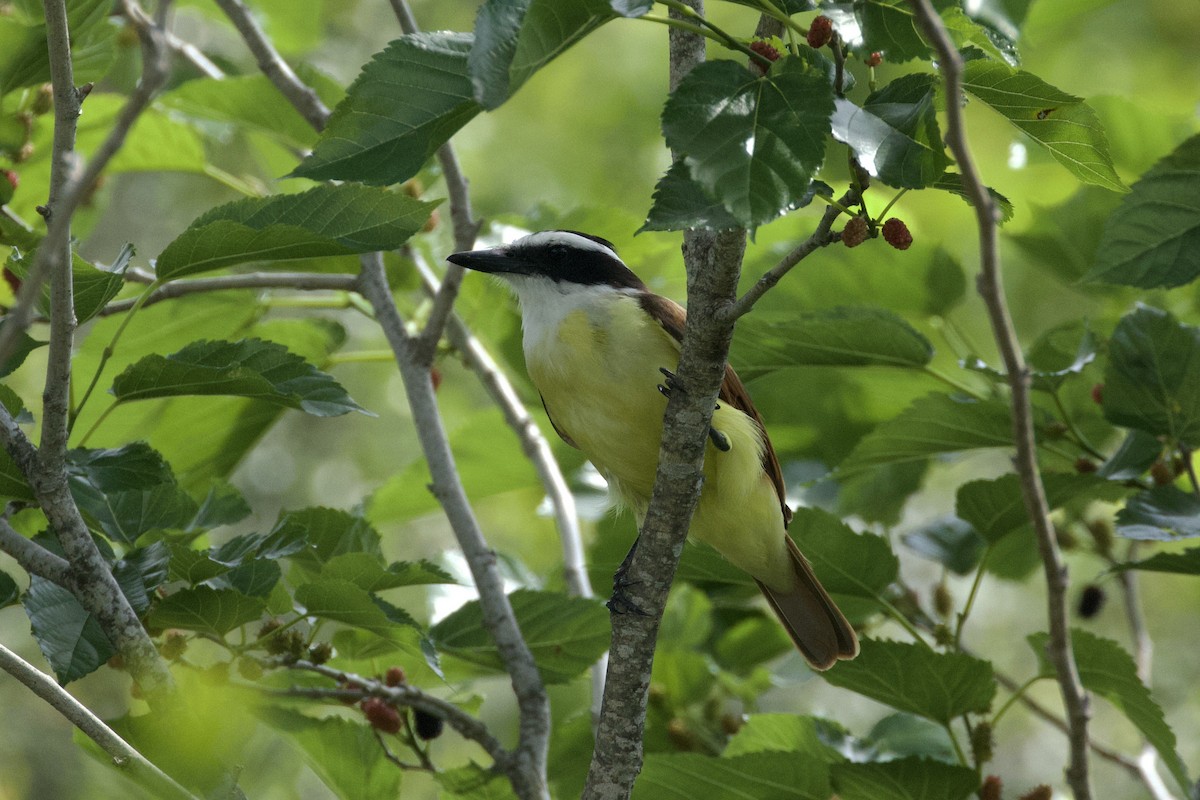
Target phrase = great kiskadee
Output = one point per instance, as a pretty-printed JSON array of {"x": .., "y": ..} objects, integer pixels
[{"x": 597, "y": 343}]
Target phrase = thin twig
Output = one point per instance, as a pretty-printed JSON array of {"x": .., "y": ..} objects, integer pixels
[
  {"x": 1075, "y": 699},
  {"x": 821, "y": 236},
  {"x": 185, "y": 50},
  {"x": 533, "y": 705},
  {"x": 33, "y": 558},
  {"x": 123, "y": 756},
  {"x": 305, "y": 281},
  {"x": 406, "y": 695},
  {"x": 302, "y": 97}
]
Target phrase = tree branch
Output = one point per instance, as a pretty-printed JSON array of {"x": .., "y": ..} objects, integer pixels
[
  {"x": 123, "y": 756},
  {"x": 304, "y": 281},
  {"x": 498, "y": 618},
  {"x": 33, "y": 558},
  {"x": 713, "y": 261},
  {"x": 305, "y": 100},
  {"x": 991, "y": 289},
  {"x": 187, "y": 51}
]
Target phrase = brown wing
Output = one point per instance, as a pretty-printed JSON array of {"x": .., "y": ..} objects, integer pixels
[{"x": 673, "y": 317}]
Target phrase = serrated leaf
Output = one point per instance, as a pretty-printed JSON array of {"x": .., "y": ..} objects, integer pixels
[
  {"x": 193, "y": 566},
  {"x": 1106, "y": 669},
  {"x": 342, "y": 601},
  {"x": 565, "y": 634},
  {"x": 933, "y": 424},
  {"x": 344, "y": 754},
  {"x": 1152, "y": 381},
  {"x": 326, "y": 220},
  {"x": 245, "y": 100},
  {"x": 312, "y": 536},
  {"x": 1153, "y": 238},
  {"x": 848, "y": 563},
  {"x": 474, "y": 782},
  {"x": 1137, "y": 453},
  {"x": 754, "y": 143},
  {"x": 903, "y": 779},
  {"x": 844, "y": 337},
  {"x": 1164, "y": 513},
  {"x": 1185, "y": 563},
  {"x": 23, "y": 345},
  {"x": 247, "y": 368},
  {"x": 996, "y": 507},
  {"x": 753, "y": 776},
  {"x": 907, "y": 735},
  {"x": 516, "y": 38},
  {"x": 913, "y": 678},
  {"x": 1062, "y": 123},
  {"x": 951, "y": 542},
  {"x": 781, "y": 733},
  {"x": 254, "y": 578},
  {"x": 368, "y": 572},
  {"x": 93, "y": 287},
  {"x": 223, "y": 505},
  {"x": 895, "y": 135},
  {"x": 380, "y": 136},
  {"x": 69, "y": 637},
  {"x": 952, "y": 182},
  {"x": 681, "y": 203},
  {"x": 126, "y": 515},
  {"x": 208, "y": 610},
  {"x": 9, "y": 591},
  {"x": 888, "y": 26}
]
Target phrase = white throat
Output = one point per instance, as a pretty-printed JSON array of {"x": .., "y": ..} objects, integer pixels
[{"x": 545, "y": 303}]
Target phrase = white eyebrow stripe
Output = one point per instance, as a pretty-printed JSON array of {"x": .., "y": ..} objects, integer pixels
[{"x": 572, "y": 240}]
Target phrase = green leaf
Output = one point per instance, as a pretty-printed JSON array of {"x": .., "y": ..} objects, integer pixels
[
  {"x": 933, "y": 424},
  {"x": 913, "y": 678},
  {"x": 952, "y": 182},
  {"x": 344, "y": 754},
  {"x": 681, "y": 203},
  {"x": 380, "y": 136},
  {"x": 1163, "y": 513},
  {"x": 516, "y": 38},
  {"x": 324, "y": 221},
  {"x": 69, "y": 637},
  {"x": 903, "y": 779},
  {"x": 367, "y": 571},
  {"x": 126, "y": 515},
  {"x": 951, "y": 542},
  {"x": 1185, "y": 563},
  {"x": 1137, "y": 453},
  {"x": 208, "y": 610},
  {"x": 1060, "y": 122},
  {"x": 244, "y": 100},
  {"x": 23, "y": 345},
  {"x": 848, "y": 563},
  {"x": 1152, "y": 381},
  {"x": 781, "y": 733},
  {"x": 753, "y": 776},
  {"x": 9, "y": 591},
  {"x": 474, "y": 782},
  {"x": 895, "y": 134},
  {"x": 194, "y": 566},
  {"x": 342, "y": 601},
  {"x": 1153, "y": 238},
  {"x": 93, "y": 287},
  {"x": 906, "y": 735},
  {"x": 888, "y": 26},
  {"x": 844, "y": 337},
  {"x": 565, "y": 634},
  {"x": 255, "y": 577},
  {"x": 246, "y": 368},
  {"x": 313, "y": 536},
  {"x": 223, "y": 505},
  {"x": 754, "y": 143},
  {"x": 996, "y": 507},
  {"x": 1106, "y": 669}
]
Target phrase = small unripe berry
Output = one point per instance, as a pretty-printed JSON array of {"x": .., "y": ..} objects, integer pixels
[
  {"x": 855, "y": 232},
  {"x": 173, "y": 646},
  {"x": 394, "y": 677},
  {"x": 943, "y": 601},
  {"x": 895, "y": 233},
  {"x": 732, "y": 723},
  {"x": 1098, "y": 394},
  {"x": 820, "y": 32},
  {"x": 1091, "y": 601},
  {"x": 982, "y": 742},
  {"x": 991, "y": 788},
  {"x": 350, "y": 686},
  {"x": 320, "y": 652},
  {"x": 1162, "y": 473},
  {"x": 1102, "y": 534},
  {"x": 1085, "y": 465},
  {"x": 875, "y": 59},
  {"x": 381, "y": 716},
  {"x": 427, "y": 726},
  {"x": 1065, "y": 538}
]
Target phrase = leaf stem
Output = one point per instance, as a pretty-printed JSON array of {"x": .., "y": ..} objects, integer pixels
[
  {"x": 721, "y": 36},
  {"x": 1078, "y": 435},
  {"x": 966, "y": 612},
  {"x": 891, "y": 203},
  {"x": 958, "y": 751},
  {"x": 1017, "y": 694}
]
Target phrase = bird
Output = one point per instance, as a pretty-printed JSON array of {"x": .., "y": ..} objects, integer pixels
[{"x": 597, "y": 345}]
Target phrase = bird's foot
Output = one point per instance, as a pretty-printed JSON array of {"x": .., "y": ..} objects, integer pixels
[
  {"x": 671, "y": 384},
  {"x": 620, "y": 602}
]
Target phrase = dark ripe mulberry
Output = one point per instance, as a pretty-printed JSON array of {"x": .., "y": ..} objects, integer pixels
[
  {"x": 428, "y": 726},
  {"x": 1091, "y": 601},
  {"x": 820, "y": 32},
  {"x": 895, "y": 233}
]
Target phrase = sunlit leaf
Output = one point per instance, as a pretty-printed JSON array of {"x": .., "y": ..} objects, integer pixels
[
  {"x": 208, "y": 610},
  {"x": 1062, "y": 123},
  {"x": 247, "y": 368},
  {"x": 343, "y": 753},
  {"x": 324, "y": 221},
  {"x": 752, "y": 776},
  {"x": 903, "y": 779}
]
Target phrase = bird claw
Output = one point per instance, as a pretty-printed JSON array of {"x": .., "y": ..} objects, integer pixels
[{"x": 719, "y": 440}]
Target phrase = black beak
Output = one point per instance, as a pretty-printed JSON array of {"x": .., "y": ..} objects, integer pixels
[{"x": 494, "y": 261}]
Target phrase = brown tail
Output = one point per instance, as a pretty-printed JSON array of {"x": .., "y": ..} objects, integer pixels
[{"x": 810, "y": 617}]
